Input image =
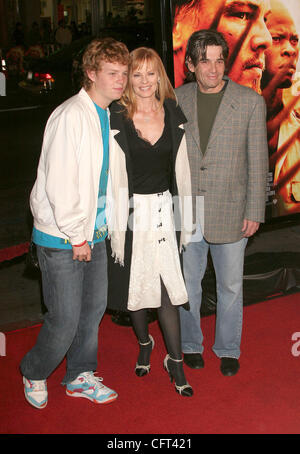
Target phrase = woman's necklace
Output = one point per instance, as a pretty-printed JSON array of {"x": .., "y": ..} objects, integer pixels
[{"x": 146, "y": 116}]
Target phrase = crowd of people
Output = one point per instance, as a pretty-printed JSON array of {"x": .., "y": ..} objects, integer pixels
[
  {"x": 136, "y": 183},
  {"x": 45, "y": 35},
  {"x": 66, "y": 32},
  {"x": 41, "y": 41}
]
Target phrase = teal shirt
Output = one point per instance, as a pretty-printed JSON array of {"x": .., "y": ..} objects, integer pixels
[
  {"x": 100, "y": 224},
  {"x": 43, "y": 239}
]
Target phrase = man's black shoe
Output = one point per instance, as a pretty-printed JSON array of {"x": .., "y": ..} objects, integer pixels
[
  {"x": 229, "y": 366},
  {"x": 193, "y": 360}
]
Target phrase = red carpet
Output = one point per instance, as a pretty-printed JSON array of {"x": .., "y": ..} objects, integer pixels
[{"x": 263, "y": 398}]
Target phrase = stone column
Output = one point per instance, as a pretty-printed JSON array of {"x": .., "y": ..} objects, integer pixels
[
  {"x": 30, "y": 12},
  {"x": 98, "y": 16},
  {"x": 4, "y": 38}
]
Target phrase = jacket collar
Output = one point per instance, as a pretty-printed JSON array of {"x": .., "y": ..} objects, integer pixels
[
  {"x": 117, "y": 113},
  {"x": 117, "y": 118},
  {"x": 84, "y": 96},
  {"x": 229, "y": 103}
]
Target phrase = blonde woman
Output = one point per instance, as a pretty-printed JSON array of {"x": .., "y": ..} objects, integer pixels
[{"x": 149, "y": 164}]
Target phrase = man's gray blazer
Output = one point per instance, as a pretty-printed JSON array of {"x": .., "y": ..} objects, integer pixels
[{"x": 232, "y": 174}]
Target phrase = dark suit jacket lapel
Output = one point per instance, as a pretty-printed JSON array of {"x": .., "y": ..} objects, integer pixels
[
  {"x": 116, "y": 123},
  {"x": 120, "y": 136},
  {"x": 176, "y": 118}
]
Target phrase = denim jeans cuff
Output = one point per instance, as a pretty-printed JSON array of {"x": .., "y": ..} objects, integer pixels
[{"x": 226, "y": 354}]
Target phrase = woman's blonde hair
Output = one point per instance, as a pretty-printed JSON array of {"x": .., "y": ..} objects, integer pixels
[{"x": 164, "y": 89}]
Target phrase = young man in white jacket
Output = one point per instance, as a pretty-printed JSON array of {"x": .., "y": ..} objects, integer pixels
[{"x": 68, "y": 206}]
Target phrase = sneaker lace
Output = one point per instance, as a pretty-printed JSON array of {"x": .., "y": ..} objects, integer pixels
[
  {"x": 38, "y": 385},
  {"x": 93, "y": 380}
]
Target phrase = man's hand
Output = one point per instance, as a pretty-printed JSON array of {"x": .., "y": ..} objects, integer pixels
[
  {"x": 82, "y": 253},
  {"x": 249, "y": 228}
]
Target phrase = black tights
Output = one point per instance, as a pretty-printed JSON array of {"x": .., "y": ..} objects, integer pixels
[{"x": 168, "y": 316}]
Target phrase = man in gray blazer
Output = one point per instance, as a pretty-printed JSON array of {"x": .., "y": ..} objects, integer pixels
[{"x": 228, "y": 153}]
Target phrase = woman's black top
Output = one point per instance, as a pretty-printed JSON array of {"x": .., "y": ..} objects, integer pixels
[{"x": 151, "y": 164}]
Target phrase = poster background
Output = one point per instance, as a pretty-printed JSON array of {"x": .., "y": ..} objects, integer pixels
[{"x": 283, "y": 191}]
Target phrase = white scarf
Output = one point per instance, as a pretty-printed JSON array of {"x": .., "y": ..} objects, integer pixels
[{"x": 117, "y": 201}]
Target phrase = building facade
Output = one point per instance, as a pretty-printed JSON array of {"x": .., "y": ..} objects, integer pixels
[{"x": 88, "y": 15}]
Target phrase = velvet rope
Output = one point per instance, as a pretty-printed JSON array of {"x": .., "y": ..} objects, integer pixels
[{"x": 12, "y": 252}]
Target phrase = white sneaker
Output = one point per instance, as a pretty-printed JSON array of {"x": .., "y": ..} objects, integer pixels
[
  {"x": 36, "y": 392},
  {"x": 88, "y": 386}
]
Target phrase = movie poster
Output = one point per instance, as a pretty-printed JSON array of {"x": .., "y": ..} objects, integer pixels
[{"x": 263, "y": 40}]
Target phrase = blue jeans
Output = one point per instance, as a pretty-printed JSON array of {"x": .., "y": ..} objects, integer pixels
[
  {"x": 75, "y": 294},
  {"x": 228, "y": 261}
]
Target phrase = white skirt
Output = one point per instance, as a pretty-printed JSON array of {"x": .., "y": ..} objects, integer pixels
[{"x": 155, "y": 253}]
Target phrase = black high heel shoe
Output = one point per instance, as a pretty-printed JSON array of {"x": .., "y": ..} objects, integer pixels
[
  {"x": 184, "y": 390},
  {"x": 141, "y": 369}
]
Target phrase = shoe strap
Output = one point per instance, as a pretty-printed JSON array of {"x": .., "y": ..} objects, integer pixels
[
  {"x": 181, "y": 388},
  {"x": 141, "y": 366},
  {"x": 147, "y": 343},
  {"x": 175, "y": 360}
]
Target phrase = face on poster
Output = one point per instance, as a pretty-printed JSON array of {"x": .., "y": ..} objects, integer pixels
[{"x": 263, "y": 40}]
